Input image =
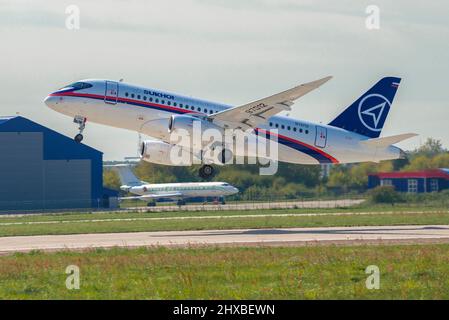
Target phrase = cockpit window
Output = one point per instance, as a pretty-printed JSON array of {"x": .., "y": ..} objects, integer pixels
[{"x": 78, "y": 85}]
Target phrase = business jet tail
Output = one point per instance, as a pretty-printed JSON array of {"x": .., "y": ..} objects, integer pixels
[
  {"x": 127, "y": 177},
  {"x": 367, "y": 115}
]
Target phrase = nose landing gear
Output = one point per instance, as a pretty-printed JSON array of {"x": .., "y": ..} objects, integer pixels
[
  {"x": 78, "y": 138},
  {"x": 81, "y": 121}
]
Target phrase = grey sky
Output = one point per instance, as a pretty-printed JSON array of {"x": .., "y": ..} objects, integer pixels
[{"x": 231, "y": 52}]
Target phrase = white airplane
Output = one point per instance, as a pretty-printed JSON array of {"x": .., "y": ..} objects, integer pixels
[
  {"x": 353, "y": 136},
  {"x": 178, "y": 191}
]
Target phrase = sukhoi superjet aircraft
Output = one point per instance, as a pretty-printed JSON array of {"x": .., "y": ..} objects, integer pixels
[{"x": 353, "y": 136}]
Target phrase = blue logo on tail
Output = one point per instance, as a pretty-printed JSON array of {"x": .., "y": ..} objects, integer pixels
[
  {"x": 367, "y": 114},
  {"x": 373, "y": 110}
]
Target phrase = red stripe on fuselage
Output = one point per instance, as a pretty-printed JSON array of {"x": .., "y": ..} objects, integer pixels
[
  {"x": 110, "y": 98},
  {"x": 328, "y": 156}
]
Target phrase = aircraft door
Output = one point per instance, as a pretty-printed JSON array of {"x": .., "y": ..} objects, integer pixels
[
  {"x": 321, "y": 137},
  {"x": 111, "y": 92}
]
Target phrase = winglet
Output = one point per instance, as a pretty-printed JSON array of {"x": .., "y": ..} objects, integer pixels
[
  {"x": 302, "y": 89},
  {"x": 318, "y": 83},
  {"x": 388, "y": 141}
]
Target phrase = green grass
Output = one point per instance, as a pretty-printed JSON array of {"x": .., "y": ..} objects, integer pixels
[
  {"x": 328, "y": 272},
  {"x": 71, "y": 224}
]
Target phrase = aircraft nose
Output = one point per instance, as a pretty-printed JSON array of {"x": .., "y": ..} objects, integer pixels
[{"x": 50, "y": 101}]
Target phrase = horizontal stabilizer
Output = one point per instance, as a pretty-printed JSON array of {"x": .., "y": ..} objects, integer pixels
[{"x": 388, "y": 141}]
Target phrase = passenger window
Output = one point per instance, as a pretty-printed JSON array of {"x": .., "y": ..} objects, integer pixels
[
  {"x": 192, "y": 107},
  {"x": 276, "y": 125},
  {"x": 163, "y": 101},
  {"x": 282, "y": 127},
  {"x": 205, "y": 110},
  {"x": 145, "y": 98},
  {"x": 288, "y": 128},
  {"x": 126, "y": 94},
  {"x": 151, "y": 99},
  {"x": 174, "y": 103},
  {"x": 307, "y": 131},
  {"x": 157, "y": 100},
  {"x": 180, "y": 105},
  {"x": 168, "y": 102},
  {"x": 294, "y": 129},
  {"x": 132, "y": 95},
  {"x": 271, "y": 124},
  {"x": 138, "y": 96},
  {"x": 211, "y": 111},
  {"x": 199, "y": 109}
]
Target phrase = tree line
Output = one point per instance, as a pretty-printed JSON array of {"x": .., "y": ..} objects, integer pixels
[{"x": 293, "y": 181}]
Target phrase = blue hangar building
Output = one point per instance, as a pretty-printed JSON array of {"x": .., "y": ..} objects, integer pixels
[{"x": 43, "y": 169}]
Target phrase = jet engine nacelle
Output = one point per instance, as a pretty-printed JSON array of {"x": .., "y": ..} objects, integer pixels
[
  {"x": 188, "y": 123},
  {"x": 213, "y": 147},
  {"x": 202, "y": 137},
  {"x": 163, "y": 153}
]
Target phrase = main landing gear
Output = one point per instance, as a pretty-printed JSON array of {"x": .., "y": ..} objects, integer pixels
[
  {"x": 206, "y": 171},
  {"x": 81, "y": 121}
]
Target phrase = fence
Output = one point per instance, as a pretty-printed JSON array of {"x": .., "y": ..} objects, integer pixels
[
  {"x": 243, "y": 206},
  {"x": 100, "y": 205},
  {"x": 43, "y": 206}
]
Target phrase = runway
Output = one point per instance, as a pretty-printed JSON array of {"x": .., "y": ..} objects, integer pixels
[{"x": 279, "y": 237}]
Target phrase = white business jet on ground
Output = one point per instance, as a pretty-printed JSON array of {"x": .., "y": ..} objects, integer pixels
[{"x": 151, "y": 192}]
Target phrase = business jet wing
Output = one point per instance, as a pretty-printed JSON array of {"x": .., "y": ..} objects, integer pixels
[
  {"x": 255, "y": 113},
  {"x": 153, "y": 196}
]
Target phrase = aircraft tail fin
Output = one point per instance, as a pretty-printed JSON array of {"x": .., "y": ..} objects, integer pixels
[
  {"x": 388, "y": 141},
  {"x": 127, "y": 177},
  {"x": 367, "y": 115}
]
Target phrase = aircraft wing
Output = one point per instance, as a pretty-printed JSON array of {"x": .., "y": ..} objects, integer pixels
[
  {"x": 153, "y": 196},
  {"x": 255, "y": 113}
]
